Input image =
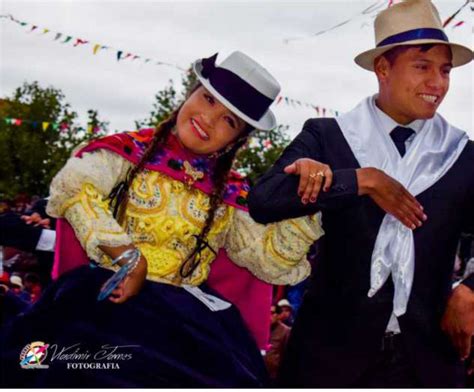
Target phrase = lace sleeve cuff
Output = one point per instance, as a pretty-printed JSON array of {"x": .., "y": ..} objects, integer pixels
[
  {"x": 275, "y": 253},
  {"x": 93, "y": 223}
]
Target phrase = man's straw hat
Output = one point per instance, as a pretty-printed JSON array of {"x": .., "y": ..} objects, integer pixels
[{"x": 411, "y": 22}]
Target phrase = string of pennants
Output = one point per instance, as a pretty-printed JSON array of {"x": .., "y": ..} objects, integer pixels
[
  {"x": 321, "y": 111},
  {"x": 372, "y": 11},
  {"x": 451, "y": 18},
  {"x": 63, "y": 126},
  {"x": 45, "y": 125},
  {"x": 62, "y": 38}
]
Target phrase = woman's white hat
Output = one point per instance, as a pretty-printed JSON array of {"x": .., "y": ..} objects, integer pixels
[
  {"x": 411, "y": 22},
  {"x": 242, "y": 85}
]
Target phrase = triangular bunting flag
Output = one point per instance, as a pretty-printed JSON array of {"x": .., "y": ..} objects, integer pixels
[
  {"x": 45, "y": 125},
  {"x": 80, "y": 42}
]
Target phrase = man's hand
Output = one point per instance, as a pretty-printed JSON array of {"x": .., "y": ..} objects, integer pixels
[
  {"x": 36, "y": 220},
  {"x": 458, "y": 319},
  {"x": 391, "y": 196},
  {"x": 310, "y": 181},
  {"x": 131, "y": 285}
]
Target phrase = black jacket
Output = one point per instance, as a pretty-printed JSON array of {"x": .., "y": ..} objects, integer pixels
[{"x": 339, "y": 329}]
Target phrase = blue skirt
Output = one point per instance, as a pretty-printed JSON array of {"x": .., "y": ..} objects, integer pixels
[{"x": 163, "y": 337}]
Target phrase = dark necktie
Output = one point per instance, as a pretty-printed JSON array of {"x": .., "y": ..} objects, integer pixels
[{"x": 399, "y": 136}]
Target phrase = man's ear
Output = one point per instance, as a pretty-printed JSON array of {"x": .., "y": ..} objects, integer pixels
[{"x": 381, "y": 67}]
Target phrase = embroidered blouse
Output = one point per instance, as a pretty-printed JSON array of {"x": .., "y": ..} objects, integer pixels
[{"x": 164, "y": 213}]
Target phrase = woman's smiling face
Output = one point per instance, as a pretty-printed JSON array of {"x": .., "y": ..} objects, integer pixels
[{"x": 204, "y": 125}]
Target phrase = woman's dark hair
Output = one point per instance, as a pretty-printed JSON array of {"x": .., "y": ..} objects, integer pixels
[{"x": 119, "y": 195}]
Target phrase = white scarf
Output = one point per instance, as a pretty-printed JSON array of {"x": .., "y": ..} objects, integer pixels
[{"x": 434, "y": 150}]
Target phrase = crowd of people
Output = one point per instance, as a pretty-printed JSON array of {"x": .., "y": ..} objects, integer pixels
[
  {"x": 357, "y": 242},
  {"x": 26, "y": 264}
]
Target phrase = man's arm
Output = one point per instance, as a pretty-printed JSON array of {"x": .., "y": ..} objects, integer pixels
[
  {"x": 275, "y": 196},
  {"x": 469, "y": 229},
  {"x": 458, "y": 318}
]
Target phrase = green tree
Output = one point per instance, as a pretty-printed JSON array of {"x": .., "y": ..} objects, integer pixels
[
  {"x": 261, "y": 151},
  {"x": 30, "y": 154}
]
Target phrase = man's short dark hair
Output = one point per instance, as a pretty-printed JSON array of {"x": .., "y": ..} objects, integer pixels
[{"x": 392, "y": 54}]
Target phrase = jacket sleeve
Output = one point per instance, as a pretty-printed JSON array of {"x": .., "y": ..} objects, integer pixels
[
  {"x": 274, "y": 253},
  {"x": 275, "y": 196},
  {"x": 469, "y": 229},
  {"x": 79, "y": 193}
]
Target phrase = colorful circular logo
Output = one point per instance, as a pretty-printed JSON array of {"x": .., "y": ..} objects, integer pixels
[{"x": 33, "y": 354}]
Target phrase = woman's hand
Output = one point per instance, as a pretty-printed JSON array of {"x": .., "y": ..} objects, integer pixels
[
  {"x": 313, "y": 175},
  {"x": 131, "y": 285}
]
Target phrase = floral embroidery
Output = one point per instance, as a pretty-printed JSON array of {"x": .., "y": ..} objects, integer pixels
[{"x": 170, "y": 159}]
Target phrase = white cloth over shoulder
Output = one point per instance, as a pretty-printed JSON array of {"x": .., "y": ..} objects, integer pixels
[{"x": 432, "y": 153}]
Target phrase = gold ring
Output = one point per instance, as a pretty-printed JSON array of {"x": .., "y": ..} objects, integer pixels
[
  {"x": 320, "y": 174},
  {"x": 312, "y": 176}
]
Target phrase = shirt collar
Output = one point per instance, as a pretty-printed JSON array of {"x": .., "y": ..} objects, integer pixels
[{"x": 388, "y": 123}]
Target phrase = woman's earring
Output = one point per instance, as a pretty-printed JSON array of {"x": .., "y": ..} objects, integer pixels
[{"x": 174, "y": 131}]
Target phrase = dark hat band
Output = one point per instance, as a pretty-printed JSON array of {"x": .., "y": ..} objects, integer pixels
[
  {"x": 237, "y": 91},
  {"x": 410, "y": 35}
]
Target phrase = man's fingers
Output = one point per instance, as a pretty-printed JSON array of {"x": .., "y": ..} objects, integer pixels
[
  {"x": 45, "y": 223},
  {"x": 410, "y": 216},
  {"x": 402, "y": 217},
  {"x": 414, "y": 205}
]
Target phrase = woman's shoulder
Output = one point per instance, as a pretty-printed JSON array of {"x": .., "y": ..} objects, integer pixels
[{"x": 130, "y": 145}]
